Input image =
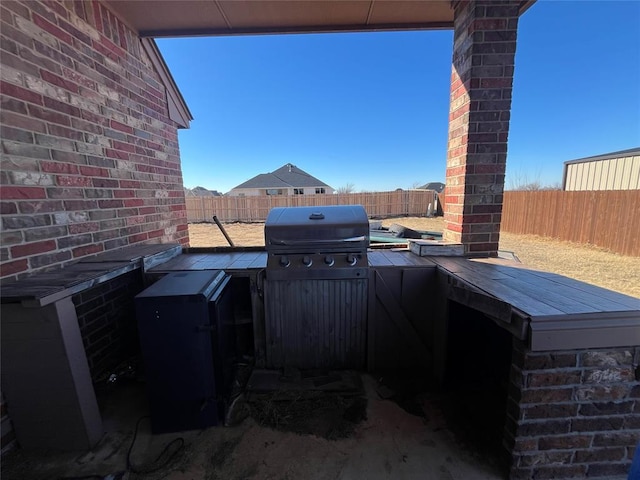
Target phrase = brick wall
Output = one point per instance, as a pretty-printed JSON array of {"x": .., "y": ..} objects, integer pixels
[
  {"x": 573, "y": 413},
  {"x": 106, "y": 315},
  {"x": 481, "y": 80},
  {"x": 90, "y": 158}
]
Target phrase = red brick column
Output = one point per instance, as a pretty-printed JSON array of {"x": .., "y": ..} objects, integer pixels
[{"x": 483, "y": 59}]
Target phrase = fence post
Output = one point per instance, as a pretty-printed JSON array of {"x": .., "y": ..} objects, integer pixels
[{"x": 405, "y": 194}]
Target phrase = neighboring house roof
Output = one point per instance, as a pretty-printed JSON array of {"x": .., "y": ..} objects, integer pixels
[
  {"x": 201, "y": 192},
  {"x": 437, "y": 186},
  {"x": 632, "y": 152},
  {"x": 264, "y": 180},
  {"x": 286, "y": 176}
]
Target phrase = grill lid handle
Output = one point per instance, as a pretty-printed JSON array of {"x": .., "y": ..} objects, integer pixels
[
  {"x": 275, "y": 241},
  {"x": 316, "y": 216}
]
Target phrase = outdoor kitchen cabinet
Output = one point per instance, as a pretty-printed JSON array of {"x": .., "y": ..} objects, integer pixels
[{"x": 185, "y": 322}]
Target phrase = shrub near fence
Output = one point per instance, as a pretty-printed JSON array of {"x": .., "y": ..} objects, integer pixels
[
  {"x": 608, "y": 219},
  {"x": 256, "y": 208}
]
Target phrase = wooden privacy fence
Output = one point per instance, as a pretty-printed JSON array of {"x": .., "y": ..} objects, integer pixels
[
  {"x": 607, "y": 219},
  {"x": 256, "y": 208}
]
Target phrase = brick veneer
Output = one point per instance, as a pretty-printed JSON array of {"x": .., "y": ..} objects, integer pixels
[
  {"x": 106, "y": 315},
  {"x": 481, "y": 82},
  {"x": 573, "y": 413},
  {"x": 90, "y": 158}
]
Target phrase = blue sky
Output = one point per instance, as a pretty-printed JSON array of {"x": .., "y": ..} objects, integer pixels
[{"x": 371, "y": 109}]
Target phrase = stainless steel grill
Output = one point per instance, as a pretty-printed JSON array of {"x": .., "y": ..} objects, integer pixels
[{"x": 316, "y": 286}]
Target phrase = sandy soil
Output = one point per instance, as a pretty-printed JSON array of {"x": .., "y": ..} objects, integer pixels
[
  {"x": 583, "y": 262},
  {"x": 390, "y": 443}
]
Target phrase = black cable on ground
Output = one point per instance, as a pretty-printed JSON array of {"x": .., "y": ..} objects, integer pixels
[
  {"x": 154, "y": 466},
  {"x": 139, "y": 469}
]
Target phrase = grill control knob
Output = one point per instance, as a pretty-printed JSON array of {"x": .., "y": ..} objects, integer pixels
[
  {"x": 306, "y": 261},
  {"x": 328, "y": 260},
  {"x": 284, "y": 261},
  {"x": 351, "y": 259}
]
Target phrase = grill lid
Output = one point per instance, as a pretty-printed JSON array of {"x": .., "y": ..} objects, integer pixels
[{"x": 342, "y": 227}]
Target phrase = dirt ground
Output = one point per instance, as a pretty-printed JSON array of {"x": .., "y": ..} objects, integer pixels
[
  {"x": 583, "y": 262},
  {"x": 388, "y": 443}
]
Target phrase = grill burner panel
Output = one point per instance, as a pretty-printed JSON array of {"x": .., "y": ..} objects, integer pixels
[
  {"x": 317, "y": 242},
  {"x": 316, "y": 265}
]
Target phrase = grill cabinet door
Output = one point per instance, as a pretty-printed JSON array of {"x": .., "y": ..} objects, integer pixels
[
  {"x": 176, "y": 333},
  {"x": 316, "y": 323}
]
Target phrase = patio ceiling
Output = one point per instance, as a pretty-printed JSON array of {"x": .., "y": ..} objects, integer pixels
[{"x": 153, "y": 18}]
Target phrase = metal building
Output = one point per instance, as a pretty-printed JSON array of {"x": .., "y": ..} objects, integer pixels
[{"x": 611, "y": 171}]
